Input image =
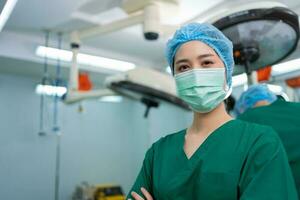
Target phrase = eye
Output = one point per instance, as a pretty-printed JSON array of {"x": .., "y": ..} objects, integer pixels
[
  {"x": 207, "y": 63},
  {"x": 183, "y": 68}
]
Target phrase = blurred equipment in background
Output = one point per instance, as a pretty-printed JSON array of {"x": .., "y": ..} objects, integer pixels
[
  {"x": 56, "y": 128},
  {"x": 229, "y": 103},
  {"x": 261, "y": 36},
  {"x": 145, "y": 85},
  {"x": 159, "y": 18},
  {"x": 54, "y": 88},
  {"x": 98, "y": 192},
  {"x": 84, "y": 82},
  {"x": 278, "y": 91},
  {"x": 264, "y": 74},
  {"x": 150, "y": 13},
  {"x": 263, "y": 33},
  {"x": 294, "y": 83},
  {"x": 45, "y": 81}
]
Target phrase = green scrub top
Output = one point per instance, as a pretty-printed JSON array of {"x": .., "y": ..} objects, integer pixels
[
  {"x": 284, "y": 118},
  {"x": 239, "y": 160}
]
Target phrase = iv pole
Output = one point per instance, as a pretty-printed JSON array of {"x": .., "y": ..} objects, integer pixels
[
  {"x": 56, "y": 128},
  {"x": 42, "y": 131}
]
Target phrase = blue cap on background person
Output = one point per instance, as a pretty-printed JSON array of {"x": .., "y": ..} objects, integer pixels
[{"x": 254, "y": 94}]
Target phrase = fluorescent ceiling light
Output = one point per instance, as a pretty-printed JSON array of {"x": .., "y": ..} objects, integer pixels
[
  {"x": 54, "y": 53},
  {"x": 239, "y": 80},
  {"x": 50, "y": 90},
  {"x": 289, "y": 66},
  {"x": 7, "y": 9},
  {"x": 84, "y": 59},
  {"x": 111, "y": 99}
]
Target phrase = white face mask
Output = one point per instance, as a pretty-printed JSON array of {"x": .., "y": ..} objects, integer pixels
[{"x": 202, "y": 89}]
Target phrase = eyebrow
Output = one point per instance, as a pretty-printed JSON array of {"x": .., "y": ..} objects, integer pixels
[{"x": 199, "y": 57}]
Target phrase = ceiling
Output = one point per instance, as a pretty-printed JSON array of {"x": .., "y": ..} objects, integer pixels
[{"x": 24, "y": 32}]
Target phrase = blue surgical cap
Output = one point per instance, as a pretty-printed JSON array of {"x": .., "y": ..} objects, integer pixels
[
  {"x": 250, "y": 97},
  {"x": 207, "y": 34}
]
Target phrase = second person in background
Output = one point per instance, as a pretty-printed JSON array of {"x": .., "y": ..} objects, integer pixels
[{"x": 259, "y": 105}]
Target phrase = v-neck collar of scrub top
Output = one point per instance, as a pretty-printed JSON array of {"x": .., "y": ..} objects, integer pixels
[
  {"x": 195, "y": 160},
  {"x": 201, "y": 150}
]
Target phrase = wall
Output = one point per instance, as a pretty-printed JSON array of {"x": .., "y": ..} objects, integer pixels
[{"x": 103, "y": 144}]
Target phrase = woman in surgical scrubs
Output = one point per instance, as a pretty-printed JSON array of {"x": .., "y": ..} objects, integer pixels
[{"x": 216, "y": 157}]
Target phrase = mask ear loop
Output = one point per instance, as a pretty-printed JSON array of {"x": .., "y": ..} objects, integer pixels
[{"x": 227, "y": 89}]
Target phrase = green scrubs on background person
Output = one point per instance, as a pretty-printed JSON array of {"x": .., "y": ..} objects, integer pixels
[
  {"x": 284, "y": 118},
  {"x": 237, "y": 161}
]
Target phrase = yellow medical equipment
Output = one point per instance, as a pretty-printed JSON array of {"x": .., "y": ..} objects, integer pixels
[{"x": 98, "y": 192}]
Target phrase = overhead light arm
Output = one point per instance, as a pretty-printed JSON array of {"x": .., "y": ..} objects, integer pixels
[
  {"x": 77, "y": 36},
  {"x": 73, "y": 94},
  {"x": 75, "y": 45},
  {"x": 133, "y": 19},
  {"x": 140, "y": 12},
  {"x": 76, "y": 96}
]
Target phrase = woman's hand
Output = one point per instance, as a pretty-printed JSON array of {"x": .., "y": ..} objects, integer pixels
[{"x": 136, "y": 196}]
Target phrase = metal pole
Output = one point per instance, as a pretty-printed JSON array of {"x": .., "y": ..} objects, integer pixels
[
  {"x": 57, "y": 167},
  {"x": 56, "y": 128},
  {"x": 248, "y": 72},
  {"x": 44, "y": 79}
]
